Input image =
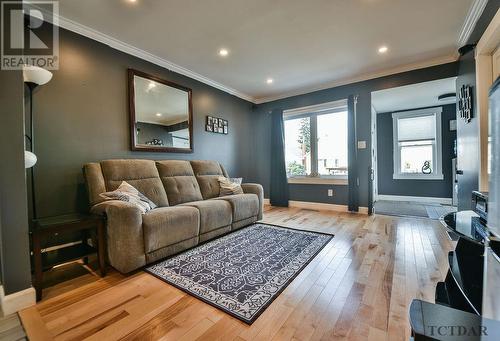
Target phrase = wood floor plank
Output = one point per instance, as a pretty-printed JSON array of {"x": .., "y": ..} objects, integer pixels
[{"x": 357, "y": 288}]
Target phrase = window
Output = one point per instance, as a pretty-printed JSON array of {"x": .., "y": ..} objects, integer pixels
[
  {"x": 298, "y": 146},
  {"x": 417, "y": 144},
  {"x": 316, "y": 142}
]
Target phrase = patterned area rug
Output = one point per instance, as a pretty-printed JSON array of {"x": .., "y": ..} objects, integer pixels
[{"x": 244, "y": 271}]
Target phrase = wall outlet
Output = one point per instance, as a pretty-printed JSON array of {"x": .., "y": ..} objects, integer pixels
[
  {"x": 330, "y": 192},
  {"x": 361, "y": 144}
]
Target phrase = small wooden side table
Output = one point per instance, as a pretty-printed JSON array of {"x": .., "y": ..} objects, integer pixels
[{"x": 45, "y": 227}]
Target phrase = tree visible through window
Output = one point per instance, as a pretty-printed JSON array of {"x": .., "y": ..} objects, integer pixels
[
  {"x": 298, "y": 151},
  {"x": 326, "y": 155}
]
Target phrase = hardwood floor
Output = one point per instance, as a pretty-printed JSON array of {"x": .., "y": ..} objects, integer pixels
[{"x": 357, "y": 288}]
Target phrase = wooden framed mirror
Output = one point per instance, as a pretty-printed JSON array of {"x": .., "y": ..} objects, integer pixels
[{"x": 161, "y": 114}]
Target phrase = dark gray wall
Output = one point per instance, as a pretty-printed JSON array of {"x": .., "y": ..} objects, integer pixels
[
  {"x": 14, "y": 248},
  {"x": 467, "y": 138},
  {"x": 421, "y": 188},
  {"x": 82, "y": 116},
  {"x": 260, "y": 159},
  {"x": 468, "y": 133},
  {"x": 319, "y": 193}
]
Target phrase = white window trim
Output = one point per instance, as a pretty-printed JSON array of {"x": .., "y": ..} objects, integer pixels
[
  {"x": 316, "y": 108},
  {"x": 322, "y": 108},
  {"x": 319, "y": 180},
  {"x": 437, "y": 173}
]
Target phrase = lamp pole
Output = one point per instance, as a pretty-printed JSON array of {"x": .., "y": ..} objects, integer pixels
[
  {"x": 33, "y": 76},
  {"x": 31, "y": 87}
]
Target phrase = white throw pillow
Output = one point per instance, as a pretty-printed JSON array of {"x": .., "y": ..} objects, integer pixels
[
  {"x": 127, "y": 192},
  {"x": 230, "y": 186}
]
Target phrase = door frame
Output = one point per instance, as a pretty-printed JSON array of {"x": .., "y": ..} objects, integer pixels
[
  {"x": 373, "y": 153},
  {"x": 484, "y": 51}
]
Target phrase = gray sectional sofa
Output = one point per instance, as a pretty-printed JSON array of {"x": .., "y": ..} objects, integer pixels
[{"x": 189, "y": 210}]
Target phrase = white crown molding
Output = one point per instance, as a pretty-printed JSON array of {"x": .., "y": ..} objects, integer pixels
[
  {"x": 119, "y": 45},
  {"x": 362, "y": 77},
  {"x": 475, "y": 11}
]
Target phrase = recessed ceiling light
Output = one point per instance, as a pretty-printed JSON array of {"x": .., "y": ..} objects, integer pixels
[
  {"x": 158, "y": 114},
  {"x": 223, "y": 52},
  {"x": 383, "y": 49},
  {"x": 269, "y": 81},
  {"x": 132, "y": 1}
]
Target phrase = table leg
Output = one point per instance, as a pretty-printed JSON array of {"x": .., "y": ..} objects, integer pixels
[
  {"x": 85, "y": 242},
  {"x": 101, "y": 240},
  {"x": 37, "y": 259}
]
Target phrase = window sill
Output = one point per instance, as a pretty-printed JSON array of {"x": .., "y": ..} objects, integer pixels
[
  {"x": 418, "y": 176},
  {"x": 317, "y": 181}
]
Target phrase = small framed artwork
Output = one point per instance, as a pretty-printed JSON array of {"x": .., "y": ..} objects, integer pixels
[{"x": 217, "y": 125}]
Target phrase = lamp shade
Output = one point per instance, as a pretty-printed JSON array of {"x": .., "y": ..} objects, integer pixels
[
  {"x": 36, "y": 75},
  {"x": 29, "y": 159}
]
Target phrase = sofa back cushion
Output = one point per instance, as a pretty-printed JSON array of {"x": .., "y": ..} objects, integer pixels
[
  {"x": 207, "y": 173},
  {"x": 94, "y": 180},
  {"x": 179, "y": 181},
  {"x": 142, "y": 174}
]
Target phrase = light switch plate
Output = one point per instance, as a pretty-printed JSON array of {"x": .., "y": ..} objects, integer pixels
[{"x": 361, "y": 144}]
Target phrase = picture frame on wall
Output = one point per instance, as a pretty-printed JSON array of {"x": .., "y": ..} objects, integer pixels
[{"x": 217, "y": 125}]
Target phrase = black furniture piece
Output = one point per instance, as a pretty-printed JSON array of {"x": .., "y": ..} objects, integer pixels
[
  {"x": 437, "y": 322},
  {"x": 459, "y": 298},
  {"x": 47, "y": 227},
  {"x": 463, "y": 286}
]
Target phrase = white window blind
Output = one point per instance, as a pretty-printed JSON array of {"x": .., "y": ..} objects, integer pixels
[
  {"x": 417, "y": 144},
  {"x": 417, "y": 128}
]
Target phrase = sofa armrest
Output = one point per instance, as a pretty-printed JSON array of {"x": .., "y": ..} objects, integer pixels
[
  {"x": 255, "y": 189},
  {"x": 125, "y": 238}
]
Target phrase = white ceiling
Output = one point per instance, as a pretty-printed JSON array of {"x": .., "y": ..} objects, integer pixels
[
  {"x": 413, "y": 96},
  {"x": 302, "y": 44}
]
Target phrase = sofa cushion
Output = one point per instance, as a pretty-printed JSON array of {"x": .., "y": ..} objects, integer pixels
[
  {"x": 94, "y": 181},
  {"x": 165, "y": 226},
  {"x": 207, "y": 173},
  {"x": 243, "y": 205},
  {"x": 142, "y": 174},
  {"x": 214, "y": 214},
  {"x": 179, "y": 181}
]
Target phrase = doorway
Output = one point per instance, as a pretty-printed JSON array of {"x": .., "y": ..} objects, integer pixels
[{"x": 413, "y": 149}]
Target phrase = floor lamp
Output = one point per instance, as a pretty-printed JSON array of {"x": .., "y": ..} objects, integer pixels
[{"x": 33, "y": 76}]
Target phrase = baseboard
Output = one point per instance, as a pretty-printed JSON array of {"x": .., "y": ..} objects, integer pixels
[
  {"x": 17, "y": 301},
  {"x": 434, "y": 200},
  {"x": 319, "y": 206}
]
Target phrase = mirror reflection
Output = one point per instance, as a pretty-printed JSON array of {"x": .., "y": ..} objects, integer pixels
[{"x": 162, "y": 115}]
